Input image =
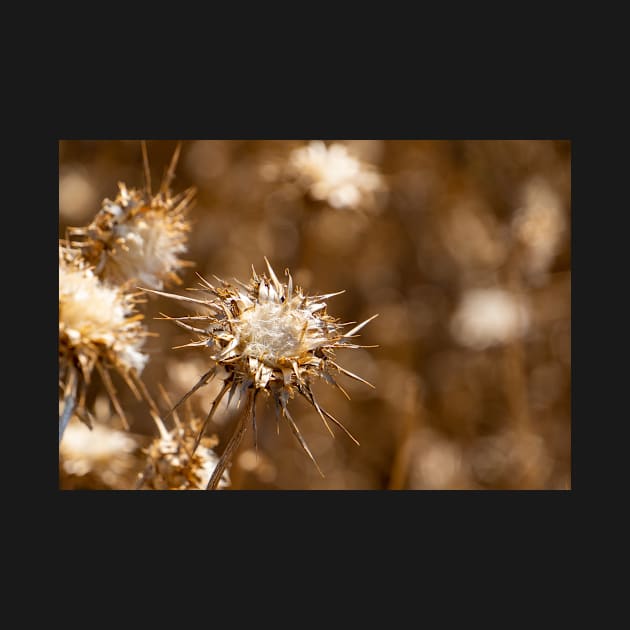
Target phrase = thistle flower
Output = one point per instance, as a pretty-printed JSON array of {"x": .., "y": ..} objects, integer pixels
[
  {"x": 331, "y": 174},
  {"x": 174, "y": 464},
  {"x": 102, "y": 457},
  {"x": 138, "y": 236},
  {"x": 98, "y": 328},
  {"x": 267, "y": 337}
]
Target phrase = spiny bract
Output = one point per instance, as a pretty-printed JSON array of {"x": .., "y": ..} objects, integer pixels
[{"x": 268, "y": 337}]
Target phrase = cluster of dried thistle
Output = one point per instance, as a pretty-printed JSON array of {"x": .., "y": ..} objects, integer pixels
[{"x": 265, "y": 336}]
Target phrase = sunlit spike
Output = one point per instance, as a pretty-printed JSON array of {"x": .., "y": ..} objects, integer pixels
[
  {"x": 289, "y": 284},
  {"x": 342, "y": 427},
  {"x": 273, "y": 276},
  {"x": 341, "y": 389},
  {"x": 350, "y": 374},
  {"x": 204, "y": 281},
  {"x": 130, "y": 384},
  {"x": 170, "y": 173},
  {"x": 185, "y": 318},
  {"x": 311, "y": 399},
  {"x": 357, "y": 328},
  {"x": 199, "y": 331},
  {"x": 300, "y": 439},
  {"x": 169, "y": 404},
  {"x": 147, "y": 171},
  {"x": 204, "y": 380},
  {"x": 192, "y": 344},
  {"x": 173, "y": 296},
  {"x": 326, "y": 295}
]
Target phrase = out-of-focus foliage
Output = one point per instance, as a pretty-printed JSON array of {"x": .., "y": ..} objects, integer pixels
[{"x": 463, "y": 248}]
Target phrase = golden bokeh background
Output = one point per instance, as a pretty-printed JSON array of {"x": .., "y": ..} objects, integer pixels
[{"x": 465, "y": 256}]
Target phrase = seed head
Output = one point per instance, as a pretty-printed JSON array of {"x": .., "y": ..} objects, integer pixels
[
  {"x": 333, "y": 175},
  {"x": 98, "y": 328},
  {"x": 489, "y": 317},
  {"x": 539, "y": 226},
  {"x": 269, "y": 337},
  {"x": 138, "y": 236},
  {"x": 174, "y": 464},
  {"x": 103, "y": 456}
]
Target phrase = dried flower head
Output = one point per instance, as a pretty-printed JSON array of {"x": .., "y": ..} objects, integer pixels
[
  {"x": 138, "y": 236},
  {"x": 98, "y": 328},
  {"x": 102, "y": 457},
  {"x": 173, "y": 462},
  {"x": 331, "y": 174},
  {"x": 269, "y": 337}
]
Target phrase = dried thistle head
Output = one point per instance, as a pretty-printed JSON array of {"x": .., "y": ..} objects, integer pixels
[
  {"x": 333, "y": 175},
  {"x": 175, "y": 462},
  {"x": 268, "y": 337},
  {"x": 98, "y": 328},
  {"x": 99, "y": 458},
  {"x": 138, "y": 236}
]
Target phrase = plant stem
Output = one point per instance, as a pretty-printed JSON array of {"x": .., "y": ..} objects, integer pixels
[
  {"x": 70, "y": 403},
  {"x": 233, "y": 444}
]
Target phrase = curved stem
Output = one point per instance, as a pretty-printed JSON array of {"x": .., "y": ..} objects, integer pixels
[{"x": 233, "y": 444}]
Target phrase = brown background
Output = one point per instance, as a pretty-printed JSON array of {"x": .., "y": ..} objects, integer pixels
[{"x": 443, "y": 415}]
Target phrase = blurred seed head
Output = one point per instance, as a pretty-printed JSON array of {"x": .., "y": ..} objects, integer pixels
[
  {"x": 137, "y": 237},
  {"x": 104, "y": 454},
  {"x": 488, "y": 317},
  {"x": 77, "y": 194},
  {"x": 437, "y": 463},
  {"x": 98, "y": 326},
  {"x": 97, "y": 322},
  {"x": 473, "y": 237},
  {"x": 539, "y": 226},
  {"x": 333, "y": 175},
  {"x": 507, "y": 457}
]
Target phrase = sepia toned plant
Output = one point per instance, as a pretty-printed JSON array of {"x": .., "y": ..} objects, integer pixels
[
  {"x": 138, "y": 236},
  {"x": 99, "y": 328},
  {"x": 268, "y": 337},
  {"x": 173, "y": 462},
  {"x": 331, "y": 174}
]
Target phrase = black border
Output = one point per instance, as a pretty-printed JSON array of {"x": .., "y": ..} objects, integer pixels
[{"x": 357, "y": 523}]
